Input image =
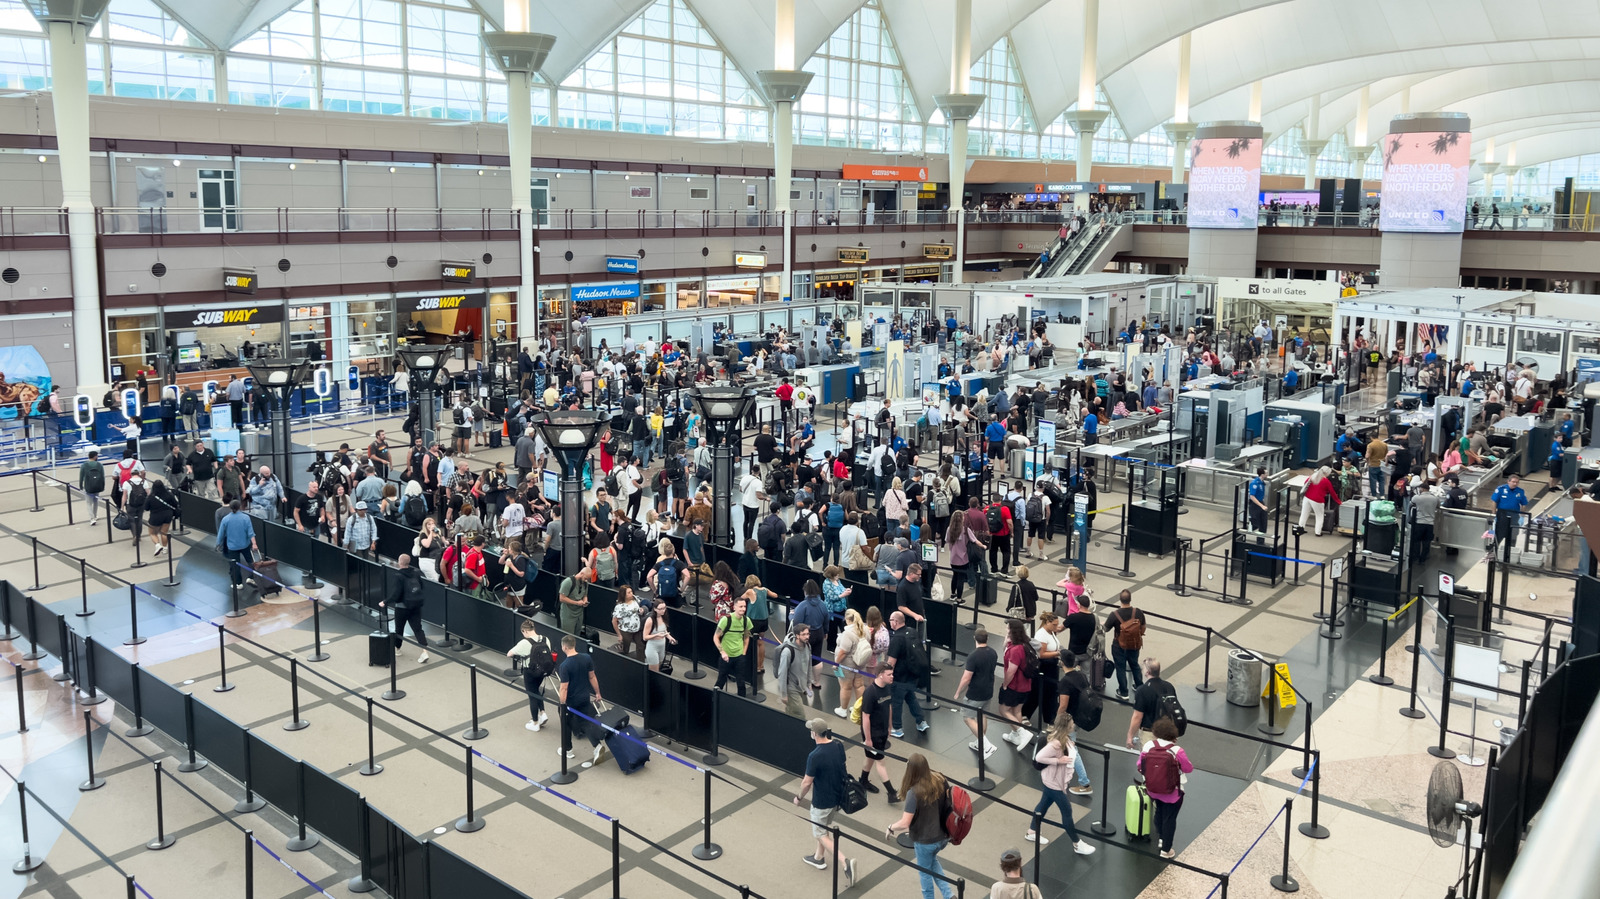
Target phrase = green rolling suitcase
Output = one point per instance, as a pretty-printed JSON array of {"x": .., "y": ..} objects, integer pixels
[{"x": 1137, "y": 812}]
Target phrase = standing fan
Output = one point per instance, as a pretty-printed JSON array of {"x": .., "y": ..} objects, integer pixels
[{"x": 1448, "y": 812}]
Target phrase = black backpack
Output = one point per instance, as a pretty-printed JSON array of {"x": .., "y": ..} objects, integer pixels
[
  {"x": 638, "y": 544},
  {"x": 1035, "y": 508},
  {"x": 460, "y": 415},
  {"x": 886, "y": 465},
  {"x": 612, "y": 487},
  {"x": 415, "y": 511},
  {"x": 1172, "y": 708},
  {"x": 137, "y": 496},
  {"x": 915, "y": 662},
  {"x": 94, "y": 480},
  {"x": 189, "y": 404},
  {"x": 995, "y": 518},
  {"x": 1030, "y": 661},
  {"x": 540, "y": 661}
]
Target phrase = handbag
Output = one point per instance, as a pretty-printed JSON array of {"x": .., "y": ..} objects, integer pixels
[
  {"x": 814, "y": 540},
  {"x": 855, "y": 796},
  {"x": 121, "y": 522}
]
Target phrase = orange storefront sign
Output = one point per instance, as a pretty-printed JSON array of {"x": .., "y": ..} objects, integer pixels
[{"x": 885, "y": 173}]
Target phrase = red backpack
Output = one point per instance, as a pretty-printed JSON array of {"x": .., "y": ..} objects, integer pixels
[
  {"x": 957, "y": 812},
  {"x": 1160, "y": 769}
]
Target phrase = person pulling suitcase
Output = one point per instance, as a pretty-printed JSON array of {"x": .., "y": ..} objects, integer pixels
[{"x": 405, "y": 593}]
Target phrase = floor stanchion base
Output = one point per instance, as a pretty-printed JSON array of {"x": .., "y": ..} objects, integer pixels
[
  {"x": 84, "y": 614},
  {"x": 1205, "y": 688},
  {"x": 706, "y": 851},
  {"x": 904, "y": 841},
  {"x": 1413, "y": 713},
  {"x": 223, "y": 688},
  {"x": 319, "y": 657},
  {"x": 370, "y": 770},
  {"x": 134, "y": 641},
  {"x": 562, "y": 778},
  {"x": 8, "y": 637},
  {"x": 1314, "y": 831},
  {"x": 1382, "y": 680},
  {"x": 191, "y": 767},
  {"x": 1104, "y": 830},
  {"x": 1439, "y": 752},
  {"x": 1270, "y": 730},
  {"x": 980, "y": 784},
  {"x": 1284, "y": 884},
  {"x": 143, "y": 730},
  {"x": 475, "y": 734},
  {"x": 96, "y": 699},
  {"x": 360, "y": 885},
  {"x": 468, "y": 825},
  {"x": 28, "y": 865},
  {"x": 392, "y": 695},
  {"x": 34, "y": 656},
  {"x": 1299, "y": 771},
  {"x": 244, "y": 808},
  {"x": 301, "y": 845},
  {"x": 692, "y": 674},
  {"x": 236, "y": 613},
  {"x": 301, "y": 724},
  {"x": 163, "y": 843},
  {"x": 714, "y": 759},
  {"x": 94, "y": 784}
]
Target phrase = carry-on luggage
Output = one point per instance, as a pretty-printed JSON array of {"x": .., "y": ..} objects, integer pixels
[
  {"x": 1137, "y": 812},
  {"x": 380, "y": 649},
  {"x": 627, "y": 745},
  {"x": 264, "y": 577},
  {"x": 494, "y": 436}
]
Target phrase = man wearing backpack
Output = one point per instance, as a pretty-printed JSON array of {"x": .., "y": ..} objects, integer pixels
[
  {"x": 1127, "y": 626},
  {"x": 999, "y": 518},
  {"x": 1038, "y": 513},
  {"x": 92, "y": 481},
  {"x": 670, "y": 577},
  {"x": 824, "y": 780},
  {"x": 751, "y": 495},
  {"x": 907, "y": 661},
  {"x": 793, "y": 673},
  {"x": 405, "y": 595},
  {"x": 833, "y": 521},
  {"x": 1154, "y": 700}
]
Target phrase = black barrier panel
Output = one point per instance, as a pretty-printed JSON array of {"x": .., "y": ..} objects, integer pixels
[
  {"x": 1502, "y": 832},
  {"x": 394, "y": 539},
  {"x": 692, "y": 633},
  {"x": 276, "y": 775},
  {"x": 621, "y": 678},
  {"x": 544, "y": 590},
  {"x": 695, "y": 708},
  {"x": 197, "y": 511},
  {"x": 163, "y": 704},
  {"x": 488, "y": 625},
  {"x": 602, "y": 602},
  {"x": 333, "y": 809},
  {"x": 276, "y": 542},
  {"x": 397, "y": 864},
  {"x": 328, "y": 563},
  {"x": 942, "y": 623},
  {"x": 433, "y": 602},
  {"x": 113, "y": 674},
  {"x": 49, "y": 636},
  {"x": 662, "y": 706},
  {"x": 219, "y": 740},
  {"x": 16, "y": 609},
  {"x": 452, "y": 876},
  {"x": 764, "y": 733},
  {"x": 365, "y": 582}
]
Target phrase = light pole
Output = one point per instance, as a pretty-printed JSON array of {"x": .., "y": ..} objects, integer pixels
[
  {"x": 571, "y": 435},
  {"x": 423, "y": 364},
  {"x": 723, "y": 409},
  {"x": 281, "y": 376}
]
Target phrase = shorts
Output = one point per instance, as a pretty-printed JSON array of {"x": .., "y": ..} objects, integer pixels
[
  {"x": 518, "y": 592},
  {"x": 1013, "y": 698},
  {"x": 973, "y": 707},
  {"x": 997, "y": 448},
  {"x": 822, "y": 820},
  {"x": 876, "y": 755},
  {"x": 1036, "y": 528},
  {"x": 818, "y": 637},
  {"x": 759, "y": 626},
  {"x": 477, "y": 426},
  {"x": 463, "y": 432}
]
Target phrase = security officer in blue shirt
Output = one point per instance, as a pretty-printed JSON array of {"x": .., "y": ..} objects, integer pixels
[
  {"x": 995, "y": 435},
  {"x": 1256, "y": 500},
  {"x": 1509, "y": 502},
  {"x": 1291, "y": 380},
  {"x": 1091, "y": 429}
]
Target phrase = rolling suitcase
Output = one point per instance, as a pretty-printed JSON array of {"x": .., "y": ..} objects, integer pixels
[
  {"x": 1137, "y": 812},
  {"x": 494, "y": 436},
  {"x": 380, "y": 649},
  {"x": 264, "y": 577},
  {"x": 627, "y": 745}
]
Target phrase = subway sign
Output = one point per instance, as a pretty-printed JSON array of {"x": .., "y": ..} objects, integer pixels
[
  {"x": 239, "y": 281},
  {"x": 429, "y": 304},
  {"x": 236, "y": 315},
  {"x": 853, "y": 255},
  {"x": 458, "y": 272},
  {"x": 444, "y": 302}
]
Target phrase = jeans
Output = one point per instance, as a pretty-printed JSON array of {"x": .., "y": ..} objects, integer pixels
[
  {"x": 1165, "y": 820},
  {"x": 535, "y": 698},
  {"x": 92, "y": 502},
  {"x": 1127, "y": 664},
  {"x": 1375, "y": 481},
  {"x": 238, "y": 557},
  {"x": 736, "y": 666},
  {"x": 1057, "y": 798},
  {"x": 641, "y": 449},
  {"x": 414, "y": 616},
  {"x": 906, "y": 692},
  {"x": 749, "y": 523},
  {"x": 927, "y": 855},
  {"x": 1080, "y": 770},
  {"x": 830, "y": 546}
]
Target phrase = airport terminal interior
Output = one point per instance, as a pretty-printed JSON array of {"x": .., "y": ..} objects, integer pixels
[{"x": 777, "y": 449}]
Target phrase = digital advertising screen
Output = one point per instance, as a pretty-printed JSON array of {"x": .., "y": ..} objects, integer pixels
[
  {"x": 1224, "y": 182},
  {"x": 1425, "y": 181}
]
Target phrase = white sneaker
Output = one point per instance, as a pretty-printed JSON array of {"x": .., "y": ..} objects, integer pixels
[
  {"x": 1023, "y": 739},
  {"x": 973, "y": 746},
  {"x": 93, "y": 522},
  {"x": 158, "y": 550},
  {"x": 1083, "y": 847},
  {"x": 841, "y": 713},
  {"x": 988, "y": 746},
  {"x": 989, "y": 750},
  {"x": 1009, "y": 736},
  {"x": 533, "y": 726},
  {"x": 1033, "y": 837},
  {"x": 599, "y": 750},
  {"x": 423, "y": 657},
  {"x": 569, "y": 754},
  {"x": 543, "y": 719}
]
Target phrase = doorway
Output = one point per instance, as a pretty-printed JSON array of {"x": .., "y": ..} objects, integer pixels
[{"x": 219, "y": 203}]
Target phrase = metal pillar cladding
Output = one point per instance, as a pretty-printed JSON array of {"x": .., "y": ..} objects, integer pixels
[
  {"x": 571, "y": 435},
  {"x": 958, "y": 110},
  {"x": 723, "y": 408},
  {"x": 68, "y": 26},
  {"x": 783, "y": 87},
  {"x": 519, "y": 54}
]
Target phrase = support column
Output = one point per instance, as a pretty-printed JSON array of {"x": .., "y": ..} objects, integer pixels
[
  {"x": 68, "y": 26},
  {"x": 1415, "y": 250},
  {"x": 959, "y": 107},
  {"x": 1180, "y": 129},
  {"x": 1180, "y": 133},
  {"x": 1312, "y": 149},
  {"x": 1362, "y": 130},
  {"x": 783, "y": 86},
  {"x": 1085, "y": 120},
  {"x": 519, "y": 54},
  {"x": 1254, "y": 113},
  {"x": 1222, "y": 213}
]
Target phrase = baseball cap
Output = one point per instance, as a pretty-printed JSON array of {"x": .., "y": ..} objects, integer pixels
[
  {"x": 818, "y": 726},
  {"x": 362, "y": 506},
  {"x": 1011, "y": 857}
]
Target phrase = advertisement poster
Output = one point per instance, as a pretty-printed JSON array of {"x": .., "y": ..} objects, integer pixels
[
  {"x": 1224, "y": 182},
  {"x": 23, "y": 379},
  {"x": 1425, "y": 182}
]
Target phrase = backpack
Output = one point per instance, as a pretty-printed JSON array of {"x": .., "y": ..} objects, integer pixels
[
  {"x": 1160, "y": 769},
  {"x": 612, "y": 486},
  {"x": 447, "y": 564},
  {"x": 460, "y": 415},
  {"x": 835, "y": 516},
  {"x": 94, "y": 480},
  {"x": 137, "y": 497},
  {"x": 1030, "y": 661},
  {"x": 541, "y": 661},
  {"x": 415, "y": 511},
  {"x": 957, "y": 813},
  {"x": 1053, "y": 490},
  {"x": 1090, "y": 706},
  {"x": 995, "y": 518},
  {"x": 1130, "y": 631},
  {"x": 1172, "y": 708},
  {"x": 330, "y": 480},
  {"x": 770, "y": 531},
  {"x": 124, "y": 472},
  {"x": 666, "y": 579},
  {"x": 1035, "y": 508},
  {"x": 861, "y": 653},
  {"x": 413, "y": 592},
  {"x": 638, "y": 543},
  {"x": 915, "y": 662},
  {"x": 189, "y": 404},
  {"x": 885, "y": 465},
  {"x": 605, "y": 564},
  {"x": 673, "y": 470}
]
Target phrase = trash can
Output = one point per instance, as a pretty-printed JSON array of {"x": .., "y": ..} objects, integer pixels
[{"x": 1244, "y": 679}]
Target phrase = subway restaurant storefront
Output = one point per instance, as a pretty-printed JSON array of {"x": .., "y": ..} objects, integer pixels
[{"x": 448, "y": 317}]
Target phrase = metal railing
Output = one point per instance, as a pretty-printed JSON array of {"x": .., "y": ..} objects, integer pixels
[
  {"x": 16, "y": 221},
  {"x": 199, "y": 220},
  {"x": 706, "y": 219}
]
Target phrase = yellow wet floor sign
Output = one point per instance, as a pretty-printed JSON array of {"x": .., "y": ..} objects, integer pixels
[{"x": 1284, "y": 688}]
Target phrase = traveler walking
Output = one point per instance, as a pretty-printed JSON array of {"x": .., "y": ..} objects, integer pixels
[
  {"x": 580, "y": 690},
  {"x": 1164, "y": 764},
  {"x": 627, "y": 622},
  {"x": 1058, "y": 755},
  {"x": 405, "y": 596},
  {"x": 1021, "y": 667},
  {"x": 1155, "y": 699},
  {"x": 907, "y": 662},
  {"x": 875, "y": 732},
  {"x": 1127, "y": 623},
  {"x": 236, "y": 539},
  {"x": 538, "y": 663},
  {"x": 924, "y": 791},
  {"x": 92, "y": 481},
  {"x": 732, "y": 639},
  {"x": 977, "y": 689},
  {"x": 574, "y": 597},
  {"x": 791, "y": 674},
  {"x": 824, "y": 780},
  {"x": 656, "y": 635}
]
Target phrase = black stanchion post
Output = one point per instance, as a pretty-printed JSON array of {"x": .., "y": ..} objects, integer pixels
[
  {"x": 1244, "y": 580},
  {"x": 222, "y": 661},
  {"x": 28, "y": 863},
  {"x": 694, "y": 672},
  {"x": 715, "y": 756},
  {"x": 133, "y": 889},
  {"x": 565, "y": 776},
  {"x": 302, "y": 840},
  {"x": 1282, "y": 882},
  {"x": 1127, "y": 546},
  {"x": 471, "y": 823},
  {"x": 1104, "y": 827},
  {"x": 64, "y": 637},
  {"x": 1271, "y": 728},
  {"x": 616, "y": 858},
  {"x": 371, "y": 767},
  {"x": 5, "y": 621},
  {"x": 982, "y": 783},
  {"x": 317, "y": 654},
  {"x": 1311, "y": 828},
  {"x": 93, "y": 783},
  {"x": 295, "y": 721},
  {"x": 172, "y": 574},
  {"x": 22, "y": 705},
  {"x": 1439, "y": 752},
  {"x": 1382, "y": 678},
  {"x": 1304, "y": 767},
  {"x": 139, "y": 728},
  {"x": 37, "y": 584},
  {"x": 133, "y": 616},
  {"x": 1178, "y": 550},
  {"x": 162, "y": 840},
  {"x": 362, "y": 882},
  {"x": 1411, "y": 711},
  {"x": 34, "y": 477},
  {"x": 193, "y": 764},
  {"x": 707, "y": 850},
  {"x": 249, "y": 864},
  {"x": 1227, "y": 566},
  {"x": 111, "y": 514},
  {"x": 475, "y": 732},
  {"x": 1205, "y": 684},
  {"x": 251, "y": 802},
  {"x": 394, "y": 693},
  {"x": 34, "y": 653},
  {"x": 91, "y": 696},
  {"x": 83, "y": 589},
  {"x": 138, "y": 561},
  {"x": 234, "y": 611}
]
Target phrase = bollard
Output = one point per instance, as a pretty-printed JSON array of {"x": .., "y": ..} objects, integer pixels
[
  {"x": 1244, "y": 580},
  {"x": 1411, "y": 711},
  {"x": 28, "y": 863},
  {"x": 92, "y": 696},
  {"x": 34, "y": 653},
  {"x": 133, "y": 616},
  {"x": 64, "y": 637},
  {"x": 234, "y": 611},
  {"x": 303, "y": 841},
  {"x": 1311, "y": 828},
  {"x": 22, "y": 705},
  {"x": 362, "y": 882},
  {"x": 1205, "y": 685},
  {"x": 394, "y": 692},
  {"x": 1382, "y": 678},
  {"x": 37, "y": 584},
  {"x": 295, "y": 721},
  {"x": 981, "y": 783},
  {"x": 1104, "y": 827},
  {"x": 251, "y": 802},
  {"x": 616, "y": 858},
  {"x": 222, "y": 661},
  {"x": 1304, "y": 767},
  {"x": 10, "y": 633},
  {"x": 139, "y": 728},
  {"x": 249, "y": 864},
  {"x": 1227, "y": 566},
  {"x": 471, "y": 823},
  {"x": 133, "y": 888},
  {"x": 371, "y": 767},
  {"x": 162, "y": 840},
  {"x": 138, "y": 561},
  {"x": 34, "y": 477},
  {"x": 93, "y": 783},
  {"x": 1439, "y": 751},
  {"x": 564, "y": 776},
  {"x": 317, "y": 655},
  {"x": 1179, "y": 551},
  {"x": 83, "y": 589},
  {"x": 1282, "y": 882},
  {"x": 1271, "y": 728},
  {"x": 707, "y": 850},
  {"x": 192, "y": 764},
  {"x": 1127, "y": 547},
  {"x": 172, "y": 574},
  {"x": 475, "y": 732}
]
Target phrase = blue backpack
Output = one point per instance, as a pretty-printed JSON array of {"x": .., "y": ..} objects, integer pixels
[{"x": 835, "y": 515}]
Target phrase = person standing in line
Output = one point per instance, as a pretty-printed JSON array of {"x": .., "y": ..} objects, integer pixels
[
  {"x": 1059, "y": 756},
  {"x": 405, "y": 593},
  {"x": 1164, "y": 764},
  {"x": 657, "y": 636},
  {"x": 875, "y": 733},
  {"x": 360, "y": 533},
  {"x": 791, "y": 674},
  {"x": 924, "y": 791},
  {"x": 732, "y": 639},
  {"x": 92, "y": 481},
  {"x": 1314, "y": 499},
  {"x": 824, "y": 780},
  {"x": 1127, "y": 625},
  {"x": 1017, "y": 685},
  {"x": 236, "y": 540},
  {"x": 1149, "y": 702},
  {"x": 1011, "y": 884},
  {"x": 977, "y": 689},
  {"x": 574, "y": 597},
  {"x": 751, "y": 494},
  {"x": 1509, "y": 503},
  {"x": 906, "y": 660},
  {"x": 580, "y": 690},
  {"x": 627, "y": 622}
]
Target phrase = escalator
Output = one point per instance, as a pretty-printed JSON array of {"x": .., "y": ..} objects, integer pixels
[
  {"x": 1056, "y": 247},
  {"x": 1090, "y": 251}
]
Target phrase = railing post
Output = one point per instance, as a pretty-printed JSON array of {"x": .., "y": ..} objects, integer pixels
[
  {"x": 1205, "y": 684},
  {"x": 471, "y": 823},
  {"x": 92, "y": 695},
  {"x": 616, "y": 858},
  {"x": 1282, "y": 882},
  {"x": 1411, "y": 711},
  {"x": 371, "y": 767},
  {"x": 317, "y": 654},
  {"x": 93, "y": 783},
  {"x": 251, "y": 802},
  {"x": 302, "y": 840},
  {"x": 22, "y": 704},
  {"x": 193, "y": 764},
  {"x": 1311, "y": 828},
  {"x": 162, "y": 840},
  {"x": 28, "y": 863},
  {"x": 1104, "y": 827},
  {"x": 222, "y": 661},
  {"x": 981, "y": 783},
  {"x": 295, "y": 721},
  {"x": 1382, "y": 678},
  {"x": 475, "y": 732},
  {"x": 37, "y": 584},
  {"x": 707, "y": 850}
]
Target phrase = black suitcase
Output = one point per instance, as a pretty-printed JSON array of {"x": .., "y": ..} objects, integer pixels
[
  {"x": 380, "y": 649},
  {"x": 264, "y": 577},
  {"x": 626, "y": 745},
  {"x": 494, "y": 435}
]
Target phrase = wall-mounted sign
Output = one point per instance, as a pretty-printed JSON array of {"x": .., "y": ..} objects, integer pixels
[
  {"x": 443, "y": 302},
  {"x": 853, "y": 255},
  {"x": 233, "y": 315},
  {"x": 624, "y": 264},
  {"x": 1274, "y": 290},
  {"x": 458, "y": 272},
  {"x": 749, "y": 260},
  {"x": 236, "y": 280},
  {"x": 847, "y": 192},
  {"x": 620, "y": 290},
  {"x": 1063, "y": 188},
  {"x": 641, "y": 193},
  {"x": 1118, "y": 188},
  {"x": 885, "y": 173},
  {"x": 938, "y": 251},
  {"x": 929, "y": 186}
]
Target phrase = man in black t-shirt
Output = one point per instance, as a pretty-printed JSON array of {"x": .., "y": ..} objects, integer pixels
[
  {"x": 308, "y": 512},
  {"x": 580, "y": 690},
  {"x": 766, "y": 448},
  {"x": 977, "y": 689},
  {"x": 905, "y": 656},
  {"x": 1147, "y": 703},
  {"x": 875, "y": 701},
  {"x": 1080, "y": 628},
  {"x": 202, "y": 464}
]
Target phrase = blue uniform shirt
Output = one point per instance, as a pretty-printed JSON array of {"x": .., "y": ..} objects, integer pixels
[
  {"x": 1149, "y": 396},
  {"x": 1291, "y": 378},
  {"x": 995, "y": 432},
  {"x": 1258, "y": 489},
  {"x": 1091, "y": 424},
  {"x": 1466, "y": 387},
  {"x": 1507, "y": 498},
  {"x": 1567, "y": 428}
]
